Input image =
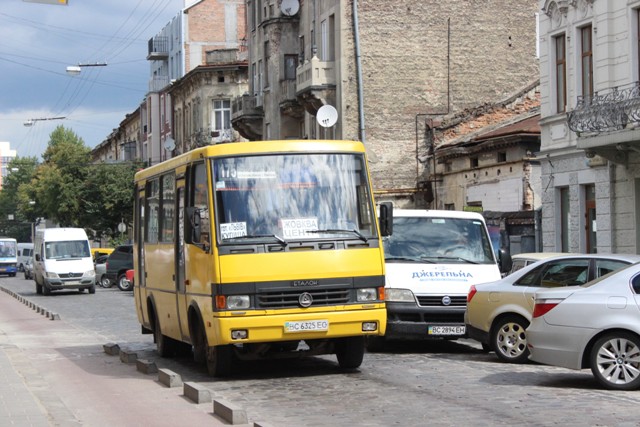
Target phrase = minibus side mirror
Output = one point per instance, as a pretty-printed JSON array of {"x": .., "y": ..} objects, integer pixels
[{"x": 386, "y": 218}]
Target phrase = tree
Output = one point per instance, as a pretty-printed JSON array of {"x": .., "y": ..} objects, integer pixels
[
  {"x": 15, "y": 218},
  {"x": 71, "y": 191}
]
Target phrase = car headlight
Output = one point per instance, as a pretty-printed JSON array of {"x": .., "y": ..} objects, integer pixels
[
  {"x": 89, "y": 273},
  {"x": 235, "y": 302},
  {"x": 399, "y": 295},
  {"x": 366, "y": 294}
]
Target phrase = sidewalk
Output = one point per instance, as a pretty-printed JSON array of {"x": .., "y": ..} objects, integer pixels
[{"x": 53, "y": 374}]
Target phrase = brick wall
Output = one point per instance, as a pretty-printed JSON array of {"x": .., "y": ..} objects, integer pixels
[{"x": 404, "y": 61}]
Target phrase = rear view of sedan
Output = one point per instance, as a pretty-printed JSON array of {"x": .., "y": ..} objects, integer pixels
[
  {"x": 498, "y": 313},
  {"x": 596, "y": 326}
]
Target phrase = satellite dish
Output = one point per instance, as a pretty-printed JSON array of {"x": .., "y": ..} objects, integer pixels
[
  {"x": 289, "y": 7},
  {"x": 169, "y": 144},
  {"x": 327, "y": 116}
]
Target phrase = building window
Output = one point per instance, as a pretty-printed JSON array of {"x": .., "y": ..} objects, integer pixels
[
  {"x": 473, "y": 162},
  {"x": 587, "y": 61},
  {"x": 267, "y": 53},
  {"x": 502, "y": 157},
  {"x": 327, "y": 30},
  {"x": 221, "y": 114},
  {"x": 447, "y": 167},
  {"x": 290, "y": 65},
  {"x": 449, "y": 206},
  {"x": 561, "y": 73}
]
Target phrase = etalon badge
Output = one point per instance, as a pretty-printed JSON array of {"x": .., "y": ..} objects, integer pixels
[{"x": 305, "y": 299}]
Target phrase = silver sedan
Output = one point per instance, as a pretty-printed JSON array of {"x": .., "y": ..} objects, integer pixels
[
  {"x": 595, "y": 326},
  {"x": 499, "y": 312}
]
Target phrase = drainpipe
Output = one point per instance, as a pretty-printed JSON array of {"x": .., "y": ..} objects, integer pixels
[{"x": 356, "y": 34}]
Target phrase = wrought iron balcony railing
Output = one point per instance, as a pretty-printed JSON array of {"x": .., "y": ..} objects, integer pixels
[{"x": 608, "y": 110}]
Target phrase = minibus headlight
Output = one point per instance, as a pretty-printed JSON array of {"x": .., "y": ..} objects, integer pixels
[
  {"x": 399, "y": 295},
  {"x": 235, "y": 302},
  {"x": 51, "y": 275},
  {"x": 89, "y": 273},
  {"x": 366, "y": 294}
]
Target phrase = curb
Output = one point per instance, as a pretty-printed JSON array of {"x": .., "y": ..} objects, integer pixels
[
  {"x": 38, "y": 309},
  {"x": 224, "y": 410}
]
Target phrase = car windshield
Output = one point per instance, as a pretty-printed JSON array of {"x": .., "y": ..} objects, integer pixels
[
  {"x": 67, "y": 249},
  {"x": 7, "y": 249},
  {"x": 457, "y": 240},
  {"x": 292, "y": 197}
]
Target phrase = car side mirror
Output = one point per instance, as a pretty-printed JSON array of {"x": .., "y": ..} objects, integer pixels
[
  {"x": 505, "y": 261},
  {"x": 386, "y": 218}
]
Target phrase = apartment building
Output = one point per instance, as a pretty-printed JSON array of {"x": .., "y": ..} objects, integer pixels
[
  {"x": 389, "y": 69},
  {"x": 589, "y": 74},
  {"x": 202, "y": 27}
]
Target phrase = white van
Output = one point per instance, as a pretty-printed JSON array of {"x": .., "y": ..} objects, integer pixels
[
  {"x": 432, "y": 258},
  {"x": 62, "y": 260},
  {"x": 25, "y": 252}
]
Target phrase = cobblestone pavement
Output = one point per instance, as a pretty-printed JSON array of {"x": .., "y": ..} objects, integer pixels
[{"x": 413, "y": 384}]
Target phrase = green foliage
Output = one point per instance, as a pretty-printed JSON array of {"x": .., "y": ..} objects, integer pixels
[
  {"x": 71, "y": 191},
  {"x": 15, "y": 216}
]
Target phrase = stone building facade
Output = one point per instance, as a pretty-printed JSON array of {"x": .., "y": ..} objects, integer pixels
[
  {"x": 386, "y": 68},
  {"x": 590, "y": 101}
]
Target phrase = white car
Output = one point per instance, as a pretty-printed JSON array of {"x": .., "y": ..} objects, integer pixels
[
  {"x": 596, "y": 325},
  {"x": 499, "y": 312}
]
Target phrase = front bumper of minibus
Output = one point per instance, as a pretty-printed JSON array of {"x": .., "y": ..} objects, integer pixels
[{"x": 290, "y": 326}]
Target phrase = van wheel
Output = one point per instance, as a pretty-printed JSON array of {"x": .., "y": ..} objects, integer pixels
[
  {"x": 92, "y": 289},
  {"x": 350, "y": 352},
  {"x": 123, "y": 283}
]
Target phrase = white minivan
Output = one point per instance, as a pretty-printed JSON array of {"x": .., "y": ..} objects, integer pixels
[
  {"x": 432, "y": 258},
  {"x": 62, "y": 260},
  {"x": 25, "y": 252}
]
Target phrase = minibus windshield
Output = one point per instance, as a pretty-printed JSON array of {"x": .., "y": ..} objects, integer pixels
[{"x": 292, "y": 197}]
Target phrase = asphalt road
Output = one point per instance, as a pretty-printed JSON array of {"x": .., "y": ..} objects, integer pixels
[{"x": 412, "y": 384}]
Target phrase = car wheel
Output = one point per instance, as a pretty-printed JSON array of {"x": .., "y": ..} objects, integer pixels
[
  {"x": 123, "y": 283},
  {"x": 615, "y": 361},
  {"x": 105, "y": 282},
  {"x": 509, "y": 341},
  {"x": 350, "y": 352}
]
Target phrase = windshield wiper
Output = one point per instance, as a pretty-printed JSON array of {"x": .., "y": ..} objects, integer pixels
[
  {"x": 258, "y": 236},
  {"x": 468, "y": 261},
  {"x": 409, "y": 258},
  {"x": 340, "y": 230}
]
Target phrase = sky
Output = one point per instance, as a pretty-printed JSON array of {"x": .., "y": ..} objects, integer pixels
[{"x": 39, "y": 41}]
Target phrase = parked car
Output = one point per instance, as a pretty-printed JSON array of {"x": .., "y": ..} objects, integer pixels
[
  {"x": 100, "y": 266},
  {"x": 519, "y": 261},
  {"x": 499, "y": 312},
  {"x": 28, "y": 269},
  {"x": 119, "y": 261},
  {"x": 595, "y": 325}
]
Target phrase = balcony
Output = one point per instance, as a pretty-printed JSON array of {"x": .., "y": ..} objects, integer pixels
[
  {"x": 607, "y": 123},
  {"x": 222, "y": 56},
  {"x": 315, "y": 83},
  {"x": 157, "y": 83},
  {"x": 246, "y": 117},
  {"x": 288, "y": 101},
  {"x": 158, "y": 48}
]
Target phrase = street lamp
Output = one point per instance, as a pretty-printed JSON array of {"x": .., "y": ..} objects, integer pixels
[
  {"x": 31, "y": 122},
  {"x": 74, "y": 70}
]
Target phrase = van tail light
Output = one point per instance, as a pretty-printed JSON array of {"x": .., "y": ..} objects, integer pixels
[
  {"x": 472, "y": 292},
  {"x": 543, "y": 306}
]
